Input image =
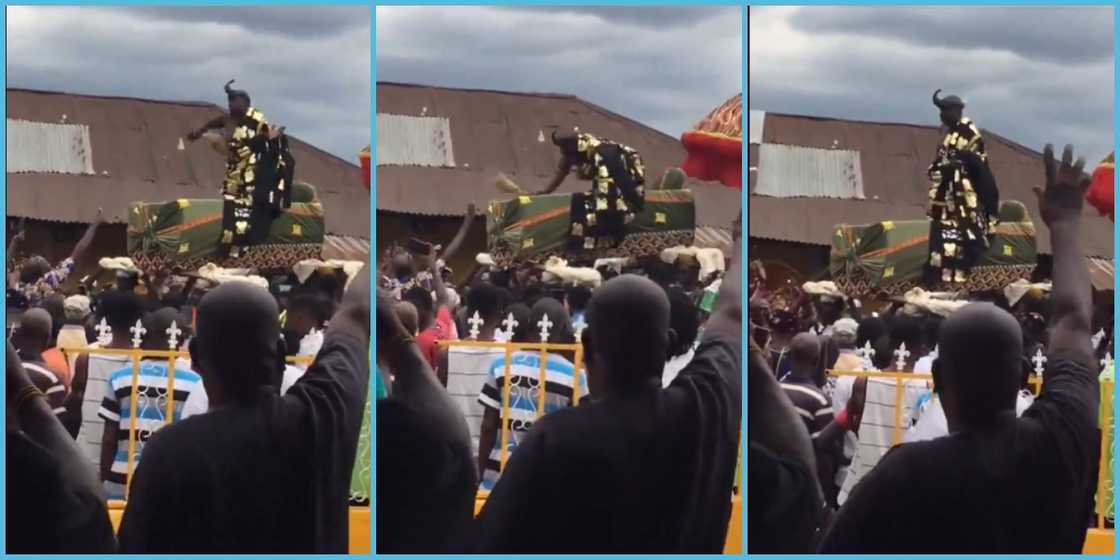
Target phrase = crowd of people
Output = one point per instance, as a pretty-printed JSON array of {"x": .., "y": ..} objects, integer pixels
[
  {"x": 267, "y": 398},
  {"x": 635, "y": 448},
  {"x": 982, "y": 459}
]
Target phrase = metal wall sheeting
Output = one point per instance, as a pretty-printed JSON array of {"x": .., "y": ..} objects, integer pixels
[
  {"x": 795, "y": 171},
  {"x": 40, "y": 147},
  {"x": 708, "y": 237},
  {"x": 421, "y": 141},
  {"x": 757, "y": 122},
  {"x": 345, "y": 248}
]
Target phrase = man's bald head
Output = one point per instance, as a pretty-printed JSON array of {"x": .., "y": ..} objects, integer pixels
[
  {"x": 34, "y": 331},
  {"x": 628, "y": 329},
  {"x": 979, "y": 364},
  {"x": 805, "y": 348},
  {"x": 238, "y": 330}
]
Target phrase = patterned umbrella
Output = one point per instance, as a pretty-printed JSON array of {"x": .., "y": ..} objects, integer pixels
[{"x": 715, "y": 145}]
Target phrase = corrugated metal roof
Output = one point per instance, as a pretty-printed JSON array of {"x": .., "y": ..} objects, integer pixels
[
  {"x": 137, "y": 141},
  {"x": 505, "y": 132},
  {"x": 345, "y": 248},
  {"x": 894, "y": 158},
  {"x": 757, "y": 122},
  {"x": 1102, "y": 273},
  {"x": 405, "y": 140},
  {"x": 714, "y": 238},
  {"x": 41, "y": 147},
  {"x": 795, "y": 171}
]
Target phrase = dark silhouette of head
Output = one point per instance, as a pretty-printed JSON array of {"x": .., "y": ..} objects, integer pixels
[
  {"x": 156, "y": 325},
  {"x": 576, "y": 298},
  {"x": 561, "y": 330},
  {"x": 875, "y": 331},
  {"x": 979, "y": 365},
  {"x": 408, "y": 316},
  {"x": 34, "y": 333},
  {"x": 425, "y": 306},
  {"x": 239, "y": 101},
  {"x": 308, "y": 309},
  {"x": 120, "y": 310},
  {"x": 488, "y": 300},
  {"x": 805, "y": 355},
  {"x": 627, "y": 340},
  {"x": 684, "y": 319},
  {"x": 907, "y": 329},
  {"x": 34, "y": 269},
  {"x": 951, "y": 107},
  {"x": 55, "y": 304},
  {"x": 523, "y": 332},
  {"x": 237, "y": 348}
]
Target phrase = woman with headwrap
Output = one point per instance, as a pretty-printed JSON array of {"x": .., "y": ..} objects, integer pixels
[
  {"x": 617, "y": 192},
  {"x": 964, "y": 200}
]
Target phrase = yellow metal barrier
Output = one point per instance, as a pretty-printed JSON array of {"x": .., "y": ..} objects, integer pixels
[
  {"x": 1099, "y": 539},
  {"x": 359, "y": 515},
  {"x": 734, "y": 540},
  {"x": 359, "y": 525}
]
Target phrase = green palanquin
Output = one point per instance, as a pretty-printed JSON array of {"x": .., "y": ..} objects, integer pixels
[
  {"x": 186, "y": 232},
  {"x": 891, "y": 256},
  {"x": 533, "y": 228}
]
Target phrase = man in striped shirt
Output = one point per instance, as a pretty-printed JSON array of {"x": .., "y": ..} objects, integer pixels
[
  {"x": 151, "y": 403},
  {"x": 803, "y": 387},
  {"x": 525, "y": 389},
  {"x": 32, "y": 338}
]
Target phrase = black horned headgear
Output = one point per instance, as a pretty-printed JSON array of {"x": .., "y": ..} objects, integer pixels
[
  {"x": 233, "y": 93},
  {"x": 947, "y": 102}
]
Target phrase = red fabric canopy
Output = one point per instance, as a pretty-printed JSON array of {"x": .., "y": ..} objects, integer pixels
[
  {"x": 715, "y": 145},
  {"x": 1102, "y": 193},
  {"x": 363, "y": 157},
  {"x": 714, "y": 157}
]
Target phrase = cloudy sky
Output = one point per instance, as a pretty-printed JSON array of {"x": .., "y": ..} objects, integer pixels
[
  {"x": 306, "y": 68},
  {"x": 666, "y": 67},
  {"x": 1034, "y": 75}
]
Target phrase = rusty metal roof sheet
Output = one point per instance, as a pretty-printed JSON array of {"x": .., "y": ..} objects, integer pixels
[
  {"x": 893, "y": 159},
  {"x": 504, "y": 132},
  {"x": 136, "y": 157}
]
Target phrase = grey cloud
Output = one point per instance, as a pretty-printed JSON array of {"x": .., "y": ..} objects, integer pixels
[
  {"x": 643, "y": 16},
  {"x": 316, "y": 85},
  {"x": 1028, "y": 99},
  {"x": 298, "y": 21},
  {"x": 663, "y": 78},
  {"x": 1048, "y": 33}
]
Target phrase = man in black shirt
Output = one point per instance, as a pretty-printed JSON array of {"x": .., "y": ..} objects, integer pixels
[
  {"x": 259, "y": 472},
  {"x": 640, "y": 468},
  {"x": 426, "y": 479},
  {"x": 54, "y": 503},
  {"x": 997, "y": 483}
]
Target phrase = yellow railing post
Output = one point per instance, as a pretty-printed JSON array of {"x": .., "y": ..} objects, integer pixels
[
  {"x": 544, "y": 381},
  {"x": 1102, "y": 472},
  {"x": 503, "y": 452},
  {"x": 135, "y": 357},
  {"x": 575, "y": 376},
  {"x": 171, "y": 362}
]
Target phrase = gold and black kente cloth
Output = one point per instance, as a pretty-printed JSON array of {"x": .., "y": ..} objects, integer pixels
[
  {"x": 617, "y": 192},
  {"x": 959, "y": 223},
  {"x": 259, "y": 172}
]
